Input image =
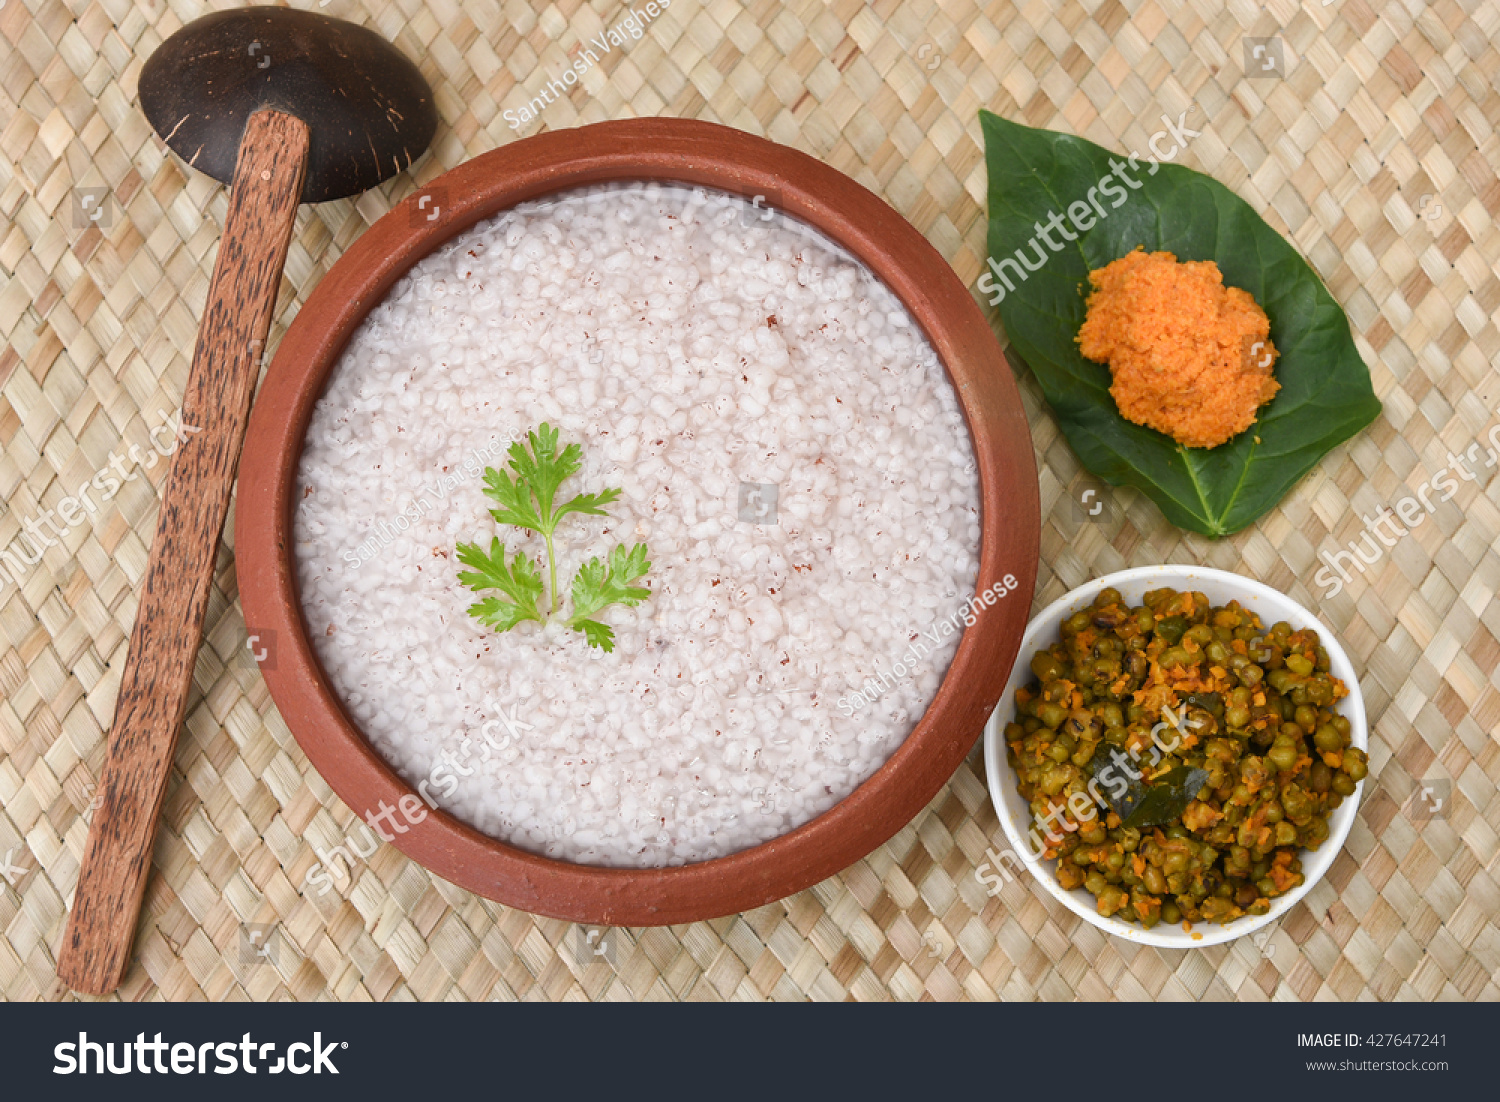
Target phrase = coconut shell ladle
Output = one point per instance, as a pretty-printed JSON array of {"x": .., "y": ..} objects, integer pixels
[{"x": 287, "y": 107}]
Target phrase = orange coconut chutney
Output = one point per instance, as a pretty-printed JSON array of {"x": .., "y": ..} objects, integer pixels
[{"x": 1189, "y": 356}]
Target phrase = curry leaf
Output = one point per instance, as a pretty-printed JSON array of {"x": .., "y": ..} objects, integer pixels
[
  {"x": 1325, "y": 396},
  {"x": 1167, "y": 797},
  {"x": 1125, "y": 791},
  {"x": 1119, "y": 787}
]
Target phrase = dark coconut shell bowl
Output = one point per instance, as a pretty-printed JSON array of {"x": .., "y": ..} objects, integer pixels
[{"x": 694, "y": 153}]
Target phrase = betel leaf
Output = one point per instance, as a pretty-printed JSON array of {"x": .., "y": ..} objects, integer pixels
[{"x": 1325, "y": 395}]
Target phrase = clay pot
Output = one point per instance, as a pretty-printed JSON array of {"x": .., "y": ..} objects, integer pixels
[{"x": 690, "y": 152}]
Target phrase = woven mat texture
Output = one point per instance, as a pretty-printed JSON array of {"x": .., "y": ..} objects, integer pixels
[{"x": 1373, "y": 148}]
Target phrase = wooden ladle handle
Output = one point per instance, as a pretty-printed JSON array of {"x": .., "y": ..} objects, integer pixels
[{"x": 263, "y": 202}]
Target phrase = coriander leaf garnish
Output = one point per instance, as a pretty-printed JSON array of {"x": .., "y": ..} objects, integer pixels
[
  {"x": 596, "y": 586},
  {"x": 526, "y": 501},
  {"x": 519, "y": 581},
  {"x": 588, "y": 503}
]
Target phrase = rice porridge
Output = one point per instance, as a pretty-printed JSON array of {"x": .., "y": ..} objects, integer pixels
[{"x": 789, "y": 448}]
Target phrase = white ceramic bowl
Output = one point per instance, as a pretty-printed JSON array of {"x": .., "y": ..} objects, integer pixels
[{"x": 1221, "y": 587}]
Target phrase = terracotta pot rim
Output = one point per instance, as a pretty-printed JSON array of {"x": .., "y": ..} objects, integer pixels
[{"x": 691, "y": 152}]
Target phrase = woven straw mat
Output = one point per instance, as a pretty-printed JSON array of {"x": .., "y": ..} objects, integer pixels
[{"x": 1372, "y": 148}]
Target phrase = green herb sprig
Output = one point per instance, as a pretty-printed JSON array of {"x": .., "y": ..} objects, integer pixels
[
  {"x": 596, "y": 586},
  {"x": 527, "y": 501}
]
